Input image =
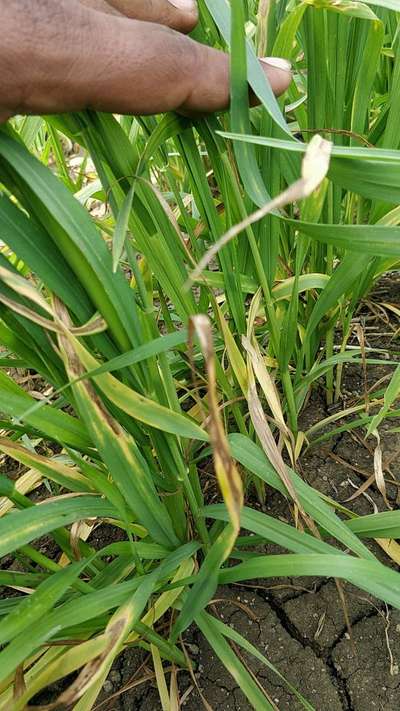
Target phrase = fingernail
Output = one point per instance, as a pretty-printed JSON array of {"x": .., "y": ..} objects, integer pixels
[
  {"x": 277, "y": 62},
  {"x": 186, "y": 5}
]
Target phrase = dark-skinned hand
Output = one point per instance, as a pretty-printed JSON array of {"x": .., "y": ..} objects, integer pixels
[{"x": 120, "y": 56}]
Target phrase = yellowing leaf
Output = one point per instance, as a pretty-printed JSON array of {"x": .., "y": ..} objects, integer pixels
[{"x": 228, "y": 476}]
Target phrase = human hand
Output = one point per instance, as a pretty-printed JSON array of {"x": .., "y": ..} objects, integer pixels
[{"x": 121, "y": 56}]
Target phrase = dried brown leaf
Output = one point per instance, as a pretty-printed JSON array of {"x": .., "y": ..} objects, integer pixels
[
  {"x": 314, "y": 169},
  {"x": 228, "y": 476}
]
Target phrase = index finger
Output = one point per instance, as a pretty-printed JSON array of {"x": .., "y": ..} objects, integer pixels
[{"x": 181, "y": 15}]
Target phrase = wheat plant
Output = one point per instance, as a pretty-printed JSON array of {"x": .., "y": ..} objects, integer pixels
[{"x": 164, "y": 345}]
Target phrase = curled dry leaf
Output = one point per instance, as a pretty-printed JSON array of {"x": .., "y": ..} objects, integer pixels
[
  {"x": 314, "y": 169},
  {"x": 315, "y": 166},
  {"x": 30, "y": 314},
  {"x": 115, "y": 634},
  {"x": 267, "y": 384},
  {"x": 266, "y": 437},
  {"x": 24, "y": 288},
  {"x": 80, "y": 531},
  {"x": 361, "y": 489},
  {"x": 269, "y": 445},
  {"x": 160, "y": 678},
  {"x": 378, "y": 469},
  {"x": 228, "y": 476},
  {"x": 174, "y": 697},
  {"x": 91, "y": 328}
]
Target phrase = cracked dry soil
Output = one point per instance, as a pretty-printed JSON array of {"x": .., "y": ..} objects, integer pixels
[
  {"x": 298, "y": 623},
  {"x": 326, "y": 669}
]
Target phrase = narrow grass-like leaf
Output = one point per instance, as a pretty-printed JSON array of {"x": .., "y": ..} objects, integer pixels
[
  {"x": 273, "y": 530},
  {"x": 371, "y": 576},
  {"x": 206, "y": 581},
  {"x": 116, "y": 632},
  {"x": 119, "y": 451},
  {"x": 242, "y": 677},
  {"x": 138, "y": 406},
  {"x": 22, "y": 527},
  {"x": 373, "y": 154},
  {"x": 251, "y": 457},
  {"x": 65, "y": 663},
  {"x": 221, "y": 14},
  {"x": 240, "y": 118},
  {"x": 228, "y": 476},
  {"x": 373, "y": 240},
  {"x": 65, "y": 476},
  {"x": 230, "y": 633},
  {"x": 391, "y": 394},
  {"x": 121, "y": 227},
  {"x": 78, "y": 238},
  {"x": 87, "y": 607},
  {"x": 380, "y": 525},
  {"x": 55, "y": 424},
  {"x": 40, "y": 602}
]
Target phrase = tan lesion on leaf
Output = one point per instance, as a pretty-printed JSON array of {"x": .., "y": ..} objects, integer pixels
[
  {"x": 88, "y": 675},
  {"x": 75, "y": 367}
]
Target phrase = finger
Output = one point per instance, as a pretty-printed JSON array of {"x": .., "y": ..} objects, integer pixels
[
  {"x": 143, "y": 68},
  {"x": 87, "y": 59},
  {"x": 279, "y": 74},
  {"x": 101, "y": 6},
  {"x": 180, "y": 15}
]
